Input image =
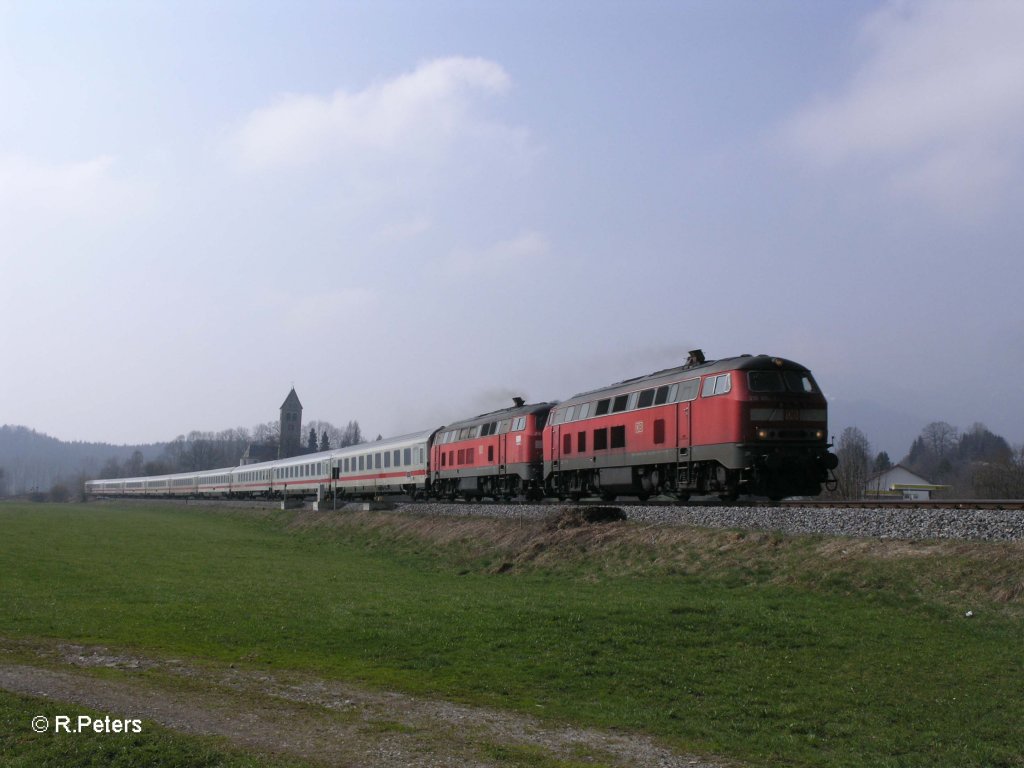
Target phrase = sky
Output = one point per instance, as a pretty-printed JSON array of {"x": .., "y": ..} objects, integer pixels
[{"x": 413, "y": 211}]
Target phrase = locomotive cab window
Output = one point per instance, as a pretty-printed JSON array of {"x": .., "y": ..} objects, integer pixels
[
  {"x": 570, "y": 412},
  {"x": 800, "y": 382},
  {"x": 620, "y": 403},
  {"x": 661, "y": 396},
  {"x": 765, "y": 381},
  {"x": 646, "y": 398}
]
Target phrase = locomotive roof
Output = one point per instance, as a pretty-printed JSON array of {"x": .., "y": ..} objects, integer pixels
[
  {"x": 504, "y": 413},
  {"x": 740, "y": 363}
]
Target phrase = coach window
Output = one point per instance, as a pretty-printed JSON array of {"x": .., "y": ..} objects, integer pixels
[
  {"x": 376, "y": 461},
  {"x": 408, "y": 456},
  {"x": 387, "y": 460},
  {"x": 360, "y": 463},
  {"x": 600, "y": 439},
  {"x": 398, "y": 457},
  {"x": 646, "y": 398},
  {"x": 602, "y": 408},
  {"x": 581, "y": 442}
]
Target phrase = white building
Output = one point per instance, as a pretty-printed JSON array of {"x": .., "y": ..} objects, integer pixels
[{"x": 898, "y": 483}]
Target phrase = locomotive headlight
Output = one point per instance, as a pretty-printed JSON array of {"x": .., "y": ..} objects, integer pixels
[
  {"x": 762, "y": 434},
  {"x": 820, "y": 434}
]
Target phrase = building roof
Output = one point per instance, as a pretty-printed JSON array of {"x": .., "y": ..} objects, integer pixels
[{"x": 292, "y": 401}]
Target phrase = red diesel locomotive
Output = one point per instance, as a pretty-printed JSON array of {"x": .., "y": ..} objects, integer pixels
[
  {"x": 496, "y": 454},
  {"x": 753, "y": 425}
]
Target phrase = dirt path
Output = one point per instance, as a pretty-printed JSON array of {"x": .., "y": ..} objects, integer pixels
[{"x": 307, "y": 717}]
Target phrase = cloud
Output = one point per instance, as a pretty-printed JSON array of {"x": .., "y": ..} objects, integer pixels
[
  {"x": 74, "y": 188},
  {"x": 936, "y": 105},
  {"x": 499, "y": 257},
  {"x": 415, "y": 116}
]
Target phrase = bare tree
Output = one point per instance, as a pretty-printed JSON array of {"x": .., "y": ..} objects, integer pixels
[
  {"x": 351, "y": 435},
  {"x": 854, "y": 453},
  {"x": 940, "y": 437}
]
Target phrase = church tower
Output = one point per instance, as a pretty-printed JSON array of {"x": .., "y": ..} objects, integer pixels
[{"x": 291, "y": 426}]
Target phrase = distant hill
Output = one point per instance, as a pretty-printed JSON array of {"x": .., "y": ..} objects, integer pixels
[{"x": 33, "y": 461}]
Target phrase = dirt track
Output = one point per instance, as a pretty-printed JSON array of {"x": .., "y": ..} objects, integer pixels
[{"x": 303, "y": 716}]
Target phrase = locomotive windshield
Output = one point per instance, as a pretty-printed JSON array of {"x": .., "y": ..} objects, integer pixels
[{"x": 786, "y": 381}]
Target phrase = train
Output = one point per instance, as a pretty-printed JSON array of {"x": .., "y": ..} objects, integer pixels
[{"x": 751, "y": 425}]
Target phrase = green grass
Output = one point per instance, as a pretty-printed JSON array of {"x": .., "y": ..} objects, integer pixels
[
  {"x": 21, "y": 747},
  {"x": 713, "y": 646}
]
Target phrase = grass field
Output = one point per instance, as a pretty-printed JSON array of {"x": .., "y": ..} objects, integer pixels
[{"x": 771, "y": 650}]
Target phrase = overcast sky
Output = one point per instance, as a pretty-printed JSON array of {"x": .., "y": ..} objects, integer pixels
[{"x": 412, "y": 211}]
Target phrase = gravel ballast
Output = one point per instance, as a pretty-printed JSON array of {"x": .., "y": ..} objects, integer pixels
[{"x": 882, "y": 523}]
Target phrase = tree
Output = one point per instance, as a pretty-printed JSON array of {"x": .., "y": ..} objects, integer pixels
[
  {"x": 111, "y": 469},
  {"x": 351, "y": 435},
  {"x": 940, "y": 437},
  {"x": 1001, "y": 480},
  {"x": 3, "y": 483},
  {"x": 133, "y": 465},
  {"x": 325, "y": 442},
  {"x": 311, "y": 443},
  {"x": 854, "y": 452},
  {"x": 882, "y": 462}
]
